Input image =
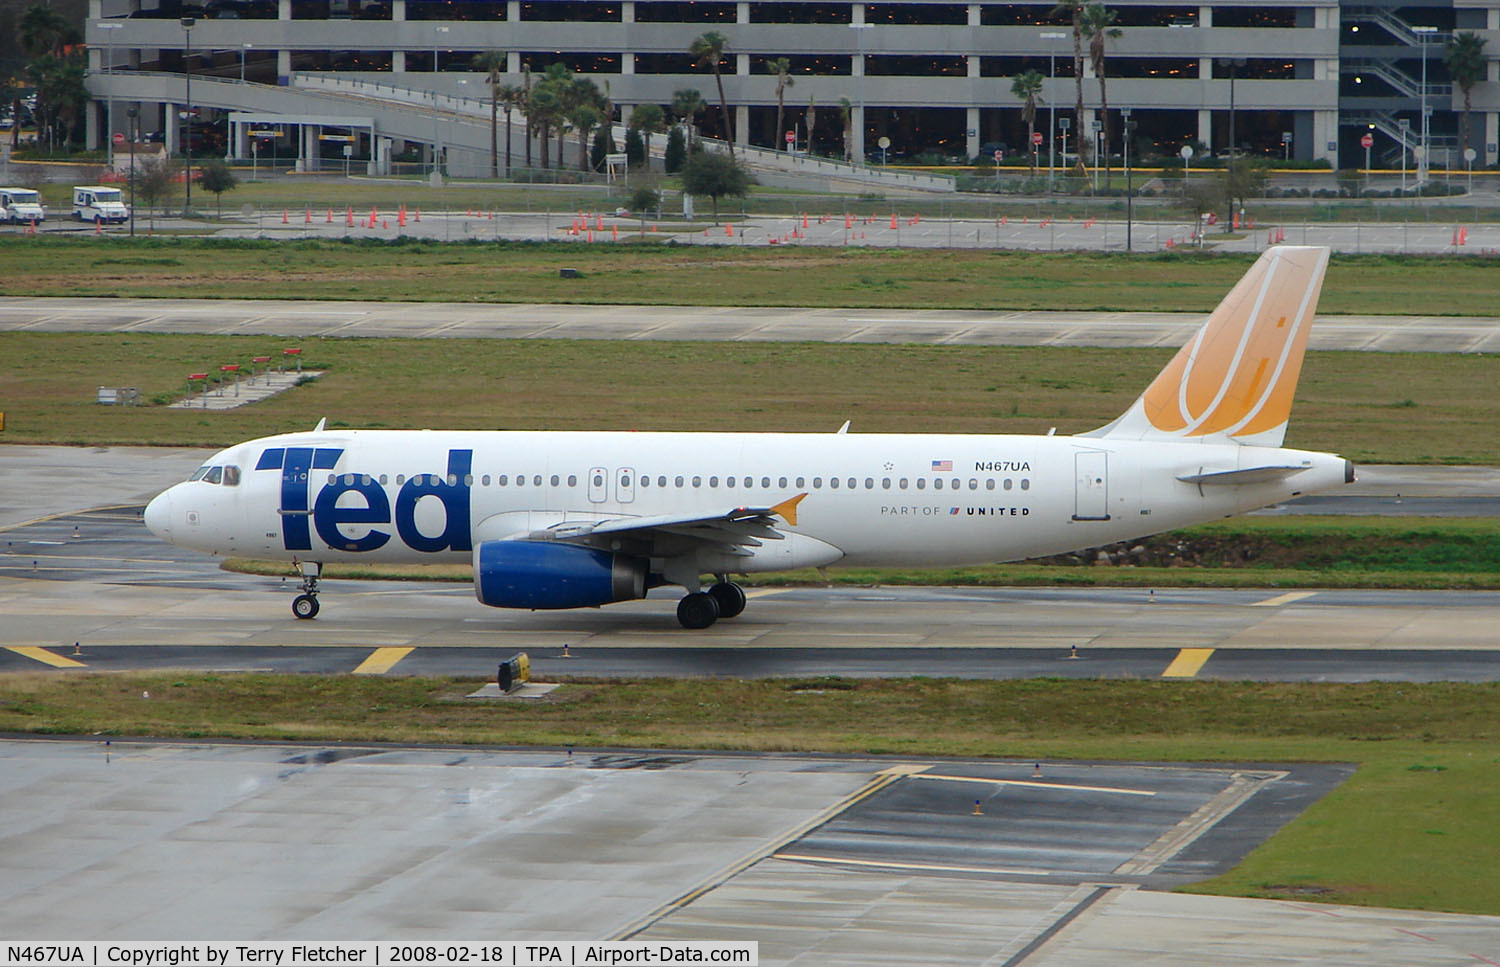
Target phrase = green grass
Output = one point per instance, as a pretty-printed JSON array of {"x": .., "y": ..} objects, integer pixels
[
  {"x": 709, "y": 275},
  {"x": 1417, "y": 826},
  {"x": 48, "y": 382}
]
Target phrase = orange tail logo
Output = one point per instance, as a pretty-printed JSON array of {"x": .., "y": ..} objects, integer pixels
[{"x": 1238, "y": 374}]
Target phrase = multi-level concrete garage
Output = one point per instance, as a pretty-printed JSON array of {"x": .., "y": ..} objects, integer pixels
[{"x": 1305, "y": 80}]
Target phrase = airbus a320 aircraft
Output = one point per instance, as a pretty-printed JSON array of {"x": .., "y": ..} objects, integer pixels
[{"x": 576, "y": 520}]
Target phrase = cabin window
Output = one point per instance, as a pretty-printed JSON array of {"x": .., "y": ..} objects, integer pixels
[
  {"x": 502, "y": 480},
  {"x": 678, "y": 481},
  {"x": 645, "y": 480},
  {"x": 885, "y": 483},
  {"x": 973, "y": 484},
  {"x": 536, "y": 481},
  {"x": 989, "y": 484},
  {"x": 1025, "y": 483},
  {"x": 520, "y": 480},
  {"x": 937, "y": 483},
  {"x": 869, "y": 484},
  {"x": 801, "y": 482},
  {"x": 921, "y": 483},
  {"x": 384, "y": 480},
  {"x": 729, "y": 482},
  {"x": 817, "y": 483},
  {"x": 556, "y": 480},
  {"x": 572, "y": 480},
  {"x": 902, "y": 483},
  {"x": 661, "y": 481},
  {"x": 852, "y": 483},
  {"x": 364, "y": 479},
  {"x": 452, "y": 480},
  {"x": 1009, "y": 483},
  {"x": 713, "y": 481},
  {"x": 782, "y": 482},
  {"x": 400, "y": 479},
  {"x": 833, "y": 483},
  {"x": 483, "y": 481},
  {"x": 468, "y": 480}
]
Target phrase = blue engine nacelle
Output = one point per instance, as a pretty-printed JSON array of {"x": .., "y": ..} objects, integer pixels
[{"x": 544, "y": 575}]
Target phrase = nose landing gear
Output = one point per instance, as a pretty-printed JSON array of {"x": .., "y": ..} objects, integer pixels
[{"x": 305, "y": 605}]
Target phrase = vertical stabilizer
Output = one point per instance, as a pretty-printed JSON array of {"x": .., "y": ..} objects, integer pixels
[{"x": 1235, "y": 379}]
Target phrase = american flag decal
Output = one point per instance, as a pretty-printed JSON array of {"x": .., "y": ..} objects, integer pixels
[{"x": 942, "y": 465}]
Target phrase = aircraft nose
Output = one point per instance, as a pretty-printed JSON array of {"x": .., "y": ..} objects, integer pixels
[{"x": 158, "y": 515}]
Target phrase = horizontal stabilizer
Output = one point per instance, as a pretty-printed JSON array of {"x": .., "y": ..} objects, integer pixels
[{"x": 1249, "y": 475}]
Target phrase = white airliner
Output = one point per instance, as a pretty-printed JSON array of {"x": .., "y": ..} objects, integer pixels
[{"x": 573, "y": 520}]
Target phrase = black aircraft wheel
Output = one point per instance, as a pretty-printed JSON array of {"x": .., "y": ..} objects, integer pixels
[
  {"x": 697, "y": 610},
  {"x": 730, "y": 598},
  {"x": 305, "y": 606}
]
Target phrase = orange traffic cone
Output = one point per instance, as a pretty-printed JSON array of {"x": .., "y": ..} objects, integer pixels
[
  {"x": 283, "y": 216},
  {"x": 614, "y": 233},
  {"x": 893, "y": 219},
  {"x": 419, "y": 214},
  {"x": 307, "y": 216}
]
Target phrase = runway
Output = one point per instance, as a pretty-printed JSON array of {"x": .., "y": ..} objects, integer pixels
[
  {"x": 96, "y": 591},
  {"x": 446, "y": 320}
]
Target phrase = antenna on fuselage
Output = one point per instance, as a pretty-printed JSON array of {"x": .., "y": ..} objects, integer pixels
[
  {"x": 321, "y": 424},
  {"x": 845, "y": 428}
]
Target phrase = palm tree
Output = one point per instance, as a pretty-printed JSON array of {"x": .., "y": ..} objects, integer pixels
[
  {"x": 514, "y": 99},
  {"x": 585, "y": 112},
  {"x": 43, "y": 30},
  {"x": 687, "y": 104},
  {"x": 812, "y": 120},
  {"x": 492, "y": 62},
  {"x": 648, "y": 119},
  {"x": 542, "y": 109},
  {"x": 1026, "y": 87},
  {"x": 1097, "y": 25},
  {"x": 707, "y": 50},
  {"x": 1467, "y": 65},
  {"x": 782, "y": 68},
  {"x": 1073, "y": 9},
  {"x": 526, "y": 103}
]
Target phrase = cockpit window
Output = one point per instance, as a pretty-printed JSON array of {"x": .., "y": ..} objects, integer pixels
[
  {"x": 200, "y": 473},
  {"x": 215, "y": 475},
  {"x": 231, "y": 475}
]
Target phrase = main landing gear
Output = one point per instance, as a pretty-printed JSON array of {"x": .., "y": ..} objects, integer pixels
[
  {"x": 699, "y": 609},
  {"x": 305, "y": 605}
]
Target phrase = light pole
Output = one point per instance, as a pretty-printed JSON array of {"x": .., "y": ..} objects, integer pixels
[
  {"x": 437, "y": 148},
  {"x": 109, "y": 101},
  {"x": 859, "y": 33},
  {"x": 244, "y": 48},
  {"x": 1051, "y": 35},
  {"x": 1422, "y": 162},
  {"x": 1129, "y": 127},
  {"x": 1235, "y": 63},
  {"x": 1405, "y": 125},
  {"x": 132, "y": 115},
  {"x": 187, "y": 123}
]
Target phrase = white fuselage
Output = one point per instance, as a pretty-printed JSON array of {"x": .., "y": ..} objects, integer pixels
[{"x": 872, "y": 499}]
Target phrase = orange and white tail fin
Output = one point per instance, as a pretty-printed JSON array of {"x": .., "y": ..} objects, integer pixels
[{"x": 1233, "y": 382}]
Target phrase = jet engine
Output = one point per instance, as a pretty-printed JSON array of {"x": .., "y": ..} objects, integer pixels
[{"x": 547, "y": 575}]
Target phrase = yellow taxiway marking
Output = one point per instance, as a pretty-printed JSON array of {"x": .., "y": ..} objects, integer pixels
[
  {"x": 1281, "y": 599},
  {"x": 934, "y": 867},
  {"x": 1070, "y": 787},
  {"x": 38, "y": 653},
  {"x": 382, "y": 660},
  {"x": 763, "y": 592},
  {"x": 1189, "y": 662}
]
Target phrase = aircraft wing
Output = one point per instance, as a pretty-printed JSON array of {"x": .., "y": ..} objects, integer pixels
[{"x": 730, "y": 531}]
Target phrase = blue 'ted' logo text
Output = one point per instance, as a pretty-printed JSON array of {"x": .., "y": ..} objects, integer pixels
[{"x": 328, "y": 518}]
